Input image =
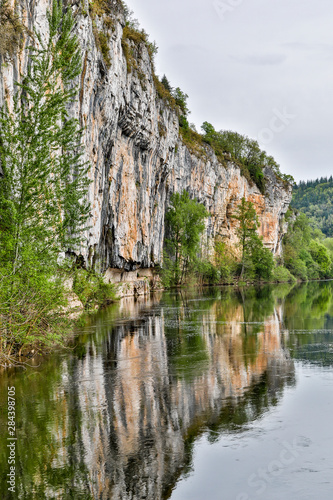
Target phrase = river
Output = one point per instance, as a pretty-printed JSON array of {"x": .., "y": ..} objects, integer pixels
[{"x": 219, "y": 394}]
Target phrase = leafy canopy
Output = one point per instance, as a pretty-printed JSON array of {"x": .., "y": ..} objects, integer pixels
[
  {"x": 186, "y": 223},
  {"x": 256, "y": 260}
]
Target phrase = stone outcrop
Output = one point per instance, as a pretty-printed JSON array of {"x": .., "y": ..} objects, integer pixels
[{"x": 137, "y": 157}]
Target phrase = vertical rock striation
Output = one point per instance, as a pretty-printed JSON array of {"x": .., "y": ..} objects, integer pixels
[{"x": 137, "y": 157}]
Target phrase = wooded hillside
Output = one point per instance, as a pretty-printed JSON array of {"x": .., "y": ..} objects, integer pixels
[{"x": 315, "y": 199}]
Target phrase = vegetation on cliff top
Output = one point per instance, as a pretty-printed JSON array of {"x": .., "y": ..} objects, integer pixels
[{"x": 227, "y": 145}]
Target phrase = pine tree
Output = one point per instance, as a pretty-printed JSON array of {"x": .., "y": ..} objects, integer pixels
[{"x": 166, "y": 84}]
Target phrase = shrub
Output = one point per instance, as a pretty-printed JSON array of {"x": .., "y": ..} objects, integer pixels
[
  {"x": 103, "y": 43},
  {"x": 207, "y": 272},
  {"x": 320, "y": 255},
  {"x": 263, "y": 262},
  {"x": 298, "y": 268},
  {"x": 92, "y": 290},
  {"x": 163, "y": 93},
  {"x": 282, "y": 275},
  {"x": 225, "y": 262},
  {"x": 131, "y": 33}
]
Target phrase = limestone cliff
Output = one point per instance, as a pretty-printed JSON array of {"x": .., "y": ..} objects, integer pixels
[{"x": 137, "y": 157}]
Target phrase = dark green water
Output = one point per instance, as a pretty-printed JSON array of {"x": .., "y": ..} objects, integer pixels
[{"x": 219, "y": 395}]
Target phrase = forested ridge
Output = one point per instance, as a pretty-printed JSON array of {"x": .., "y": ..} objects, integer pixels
[{"x": 315, "y": 200}]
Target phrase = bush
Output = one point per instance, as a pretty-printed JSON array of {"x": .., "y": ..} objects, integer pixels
[
  {"x": 207, "y": 272},
  {"x": 320, "y": 255},
  {"x": 92, "y": 290},
  {"x": 102, "y": 42},
  {"x": 30, "y": 310},
  {"x": 163, "y": 93},
  {"x": 282, "y": 275},
  {"x": 298, "y": 268},
  {"x": 131, "y": 33},
  {"x": 183, "y": 122}
]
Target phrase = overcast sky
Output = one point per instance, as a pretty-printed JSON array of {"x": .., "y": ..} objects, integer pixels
[{"x": 263, "y": 68}]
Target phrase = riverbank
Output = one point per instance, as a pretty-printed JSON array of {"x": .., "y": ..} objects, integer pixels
[
  {"x": 87, "y": 292},
  {"x": 154, "y": 383}
]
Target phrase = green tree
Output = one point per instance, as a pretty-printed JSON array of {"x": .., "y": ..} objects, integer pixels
[
  {"x": 166, "y": 84},
  {"x": 321, "y": 256},
  {"x": 262, "y": 259},
  {"x": 185, "y": 219},
  {"x": 256, "y": 260},
  {"x": 246, "y": 231},
  {"x": 43, "y": 191},
  {"x": 181, "y": 100}
]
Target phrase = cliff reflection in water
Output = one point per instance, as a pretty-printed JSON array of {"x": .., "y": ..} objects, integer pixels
[
  {"x": 118, "y": 417},
  {"x": 181, "y": 367}
]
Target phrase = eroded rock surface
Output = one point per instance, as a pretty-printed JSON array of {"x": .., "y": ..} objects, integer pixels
[{"x": 137, "y": 158}]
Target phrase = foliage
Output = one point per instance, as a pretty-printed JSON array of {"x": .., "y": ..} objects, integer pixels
[
  {"x": 132, "y": 40},
  {"x": 225, "y": 262},
  {"x": 165, "y": 82},
  {"x": 181, "y": 100},
  {"x": 30, "y": 310},
  {"x": 182, "y": 259},
  {"x": 185, "y": 219},
  {"x": 92, "y": 290},
  {"x": 245, "y": 152},
  {"x": 206, "y": 272},
  {"x": 103, "y": 44},
  {"x": 315, "y": 200},
  {"x": 164, "y": 93},
  {"x": 102, "y": 10},
  {"x": 281, "y": 274},
  {"x": 192, "y": 139},
  {"x": 262, "y": 260},
  {"x": 305, "y": 256},
  {"x": 256, "y": 260},
  {"x": 12, "y": 30},
  {"x": 43, "y": 190}
]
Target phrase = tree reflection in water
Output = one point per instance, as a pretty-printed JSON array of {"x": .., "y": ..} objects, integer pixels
[{"x": 118, "y": 417}]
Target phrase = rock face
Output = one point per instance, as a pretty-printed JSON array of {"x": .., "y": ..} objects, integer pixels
[{"x": 137, "y": 157}]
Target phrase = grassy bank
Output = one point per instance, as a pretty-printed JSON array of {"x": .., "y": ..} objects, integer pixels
[{"x": 38, "y": 314}]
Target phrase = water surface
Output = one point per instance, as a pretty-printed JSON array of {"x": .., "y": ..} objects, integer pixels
[{"x": 221, "y": 394}]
